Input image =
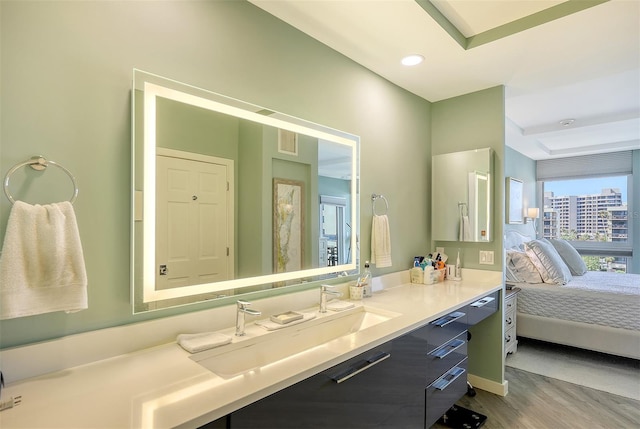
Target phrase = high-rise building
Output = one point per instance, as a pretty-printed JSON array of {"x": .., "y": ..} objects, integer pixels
[{"x": 596, "y": 216}]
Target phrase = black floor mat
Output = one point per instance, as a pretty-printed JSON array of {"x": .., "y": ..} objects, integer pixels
[{"x": 461, "y": 418}]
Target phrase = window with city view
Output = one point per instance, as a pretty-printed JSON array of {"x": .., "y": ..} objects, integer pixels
[{"x": 592, "y": 214}]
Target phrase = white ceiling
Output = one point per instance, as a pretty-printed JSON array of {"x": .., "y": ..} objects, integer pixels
[{"x": 584, "y": 66}]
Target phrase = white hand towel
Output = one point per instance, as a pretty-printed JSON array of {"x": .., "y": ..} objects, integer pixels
[
  {"x": 42, "y": 265},
  {"x": 380, "y": 241},
  {"x": 465, "y": 229},
  {"x": 194, "y": 343},
  {"x": 273, "y": 326}
]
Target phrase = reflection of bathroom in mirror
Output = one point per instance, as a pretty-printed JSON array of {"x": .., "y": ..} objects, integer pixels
[
  {"x": 462, "y": 197},
  {"x": 204, "y": 211}
]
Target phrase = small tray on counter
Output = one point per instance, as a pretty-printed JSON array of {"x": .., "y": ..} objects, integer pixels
[{"x": 284, "y": 318}]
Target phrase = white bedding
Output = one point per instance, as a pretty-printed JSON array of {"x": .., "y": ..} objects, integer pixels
[{"x": 602, "y": 298}]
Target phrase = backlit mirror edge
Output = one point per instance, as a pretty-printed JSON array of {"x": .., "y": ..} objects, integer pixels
[{"x": 143, "y": 203}]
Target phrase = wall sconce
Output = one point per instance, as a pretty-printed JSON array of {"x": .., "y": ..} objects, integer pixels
[{"x": 533, "y": 213}]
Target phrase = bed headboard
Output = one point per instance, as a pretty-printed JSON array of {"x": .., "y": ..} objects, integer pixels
[{"x": 514, "y": 239}]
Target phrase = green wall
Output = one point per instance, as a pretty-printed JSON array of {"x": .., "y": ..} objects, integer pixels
[
  {"x": 521, "y": 167},
  {"x": 473, "y": 121},
  {"x": 65, "y": 78}
]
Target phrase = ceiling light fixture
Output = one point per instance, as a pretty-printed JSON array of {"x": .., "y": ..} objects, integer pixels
[
  {"x": 567, "y": 122},
  {"x": 412, "y": 60}
]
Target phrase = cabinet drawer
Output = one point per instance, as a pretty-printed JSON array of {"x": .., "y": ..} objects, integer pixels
[
  {"x": 445, "y": 391},
  {"x": 510, "y": 303},
  {"x": 482, "y": 308},
  {"x": 509, "y": 320},
  {"x": 445, "y": 329},
  {"x": 441, "y": 359},
  {"x": 509, "y": 337}
]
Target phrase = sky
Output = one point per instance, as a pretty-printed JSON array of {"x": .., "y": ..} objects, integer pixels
[{"x": 587, "y": 186}]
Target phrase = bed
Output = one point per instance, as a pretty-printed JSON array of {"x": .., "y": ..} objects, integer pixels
[{"x": 592, "y": 310}]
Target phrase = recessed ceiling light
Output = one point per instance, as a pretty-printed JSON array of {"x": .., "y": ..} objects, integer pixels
[
  {"x": 567, "y": 122},
  {"x": 412, "y": 60}
]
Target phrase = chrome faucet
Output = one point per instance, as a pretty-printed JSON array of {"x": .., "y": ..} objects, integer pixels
[
  {"x": 243, "y": 308},
  {"x": 324, "y": 291}
]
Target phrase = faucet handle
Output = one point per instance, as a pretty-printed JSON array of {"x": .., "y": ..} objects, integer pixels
[
  {"x": 325, "y": 288},
  {"x": 243, "y": 304}
]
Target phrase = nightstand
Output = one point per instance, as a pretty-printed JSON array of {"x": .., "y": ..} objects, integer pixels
[{"x": 510, "y": 306}]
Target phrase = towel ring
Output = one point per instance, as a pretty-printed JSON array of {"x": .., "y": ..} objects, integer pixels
[
  {"x": 374, "y": 197},
  {"x": 38, "y": 163}
]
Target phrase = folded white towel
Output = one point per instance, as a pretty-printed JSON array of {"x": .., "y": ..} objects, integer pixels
[
  {"x": 380, "y": 241},
  {"x": 337, "y": 305},
  {"x": 194, "y": 343},
  {"x": 272, "y": 326},
  {"x": 465, "y": 229},
  {"x": 42, "y": 265}
]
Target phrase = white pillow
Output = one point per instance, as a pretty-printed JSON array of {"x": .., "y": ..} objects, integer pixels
[
  {"x": 548, "y": 262},
  {"x": 520, "y": 268},
  {"x": 570, "y": 256}
]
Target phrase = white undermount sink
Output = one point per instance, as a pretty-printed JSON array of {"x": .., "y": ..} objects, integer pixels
[{"x": 261, "y": 347}]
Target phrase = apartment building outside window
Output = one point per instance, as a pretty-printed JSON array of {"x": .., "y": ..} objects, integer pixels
[{"x": 587, "y": 200}]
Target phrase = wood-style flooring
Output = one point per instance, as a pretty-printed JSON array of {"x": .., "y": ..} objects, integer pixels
[{"x": 538, "y": 402}]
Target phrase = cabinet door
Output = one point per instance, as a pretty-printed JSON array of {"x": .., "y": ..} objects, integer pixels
[{"x": 382, "y": 388}]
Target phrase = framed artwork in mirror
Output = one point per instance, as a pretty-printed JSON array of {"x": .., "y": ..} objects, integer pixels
[
  {"x": 514, "y": 203},
  {"x": 288, "y": 225}
]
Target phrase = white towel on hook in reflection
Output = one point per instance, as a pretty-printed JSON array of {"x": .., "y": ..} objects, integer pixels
[
  {"x": 42, "y": 265},
  {"x": 380, "y": 241},
  {"x": 465, "y": 229}
]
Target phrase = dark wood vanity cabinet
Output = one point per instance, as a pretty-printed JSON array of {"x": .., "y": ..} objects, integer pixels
[
  {"x": 408, "y": 382},
  {"x": 382, "y": 388}
]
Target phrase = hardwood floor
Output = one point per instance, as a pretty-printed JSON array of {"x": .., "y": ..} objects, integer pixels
[{"x": 538, "y": 402}]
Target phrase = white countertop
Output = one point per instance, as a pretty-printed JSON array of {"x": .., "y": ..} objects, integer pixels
[{"x": 162, "y": 387}]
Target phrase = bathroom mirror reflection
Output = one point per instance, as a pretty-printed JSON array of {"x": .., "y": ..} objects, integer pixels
[
  {"x": 231, "y": 198},
  {"x": 462, "y": 196}
]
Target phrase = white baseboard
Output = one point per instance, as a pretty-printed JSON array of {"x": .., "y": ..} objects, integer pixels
[{"x": 490, "y": 386}]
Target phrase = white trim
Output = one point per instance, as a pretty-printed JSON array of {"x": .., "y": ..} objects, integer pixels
[{"x": 490, "y": 386}]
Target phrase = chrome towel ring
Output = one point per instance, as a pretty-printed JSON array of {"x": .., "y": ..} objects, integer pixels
[
  {"x": 38, "y": 163},
  {"x": 375, "y": 197}
]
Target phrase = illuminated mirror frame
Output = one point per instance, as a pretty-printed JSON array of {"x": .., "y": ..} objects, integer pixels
[{"x": 155, "y": 86}]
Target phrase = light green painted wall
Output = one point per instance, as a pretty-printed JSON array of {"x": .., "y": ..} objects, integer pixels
[
  {"x": 521, "y": 167},
  {"x": 473, "y": 121},
  {"x": 65, "y": 78}
]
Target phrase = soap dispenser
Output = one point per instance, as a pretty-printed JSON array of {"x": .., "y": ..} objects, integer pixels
[{"x": 367, "y": 289}]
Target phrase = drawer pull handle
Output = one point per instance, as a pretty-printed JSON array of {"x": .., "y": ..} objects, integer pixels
[
  {"x": 447, "y": 348},
  {"x": 445, "y": 320},
  {"x": 508, "y": 339},
  {"x": 509, "y": 320},
  {"x": 359, "y": 367},
  {"x": 448, "y": 378},
  {"x": 482, "y": 302}
]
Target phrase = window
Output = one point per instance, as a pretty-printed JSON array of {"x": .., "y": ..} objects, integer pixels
[
  {"x": 586, "y": 201},
  {"x": 592, "y": 214}
]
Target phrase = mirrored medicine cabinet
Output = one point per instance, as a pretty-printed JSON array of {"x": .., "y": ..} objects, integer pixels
[
  {"x": 462, "y": 197},
  {"x": 231, "y": 198}
]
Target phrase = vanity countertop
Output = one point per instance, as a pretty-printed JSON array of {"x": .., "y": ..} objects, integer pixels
[{"x": 161, "y": 386}]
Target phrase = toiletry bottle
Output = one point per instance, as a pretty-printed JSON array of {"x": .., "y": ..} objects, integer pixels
[
  {"x": 367, "y": 290},
  {"x": 458, "y": 275}
]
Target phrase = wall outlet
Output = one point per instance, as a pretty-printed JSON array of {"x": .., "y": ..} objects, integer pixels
[{"x": 486, "y": 257}]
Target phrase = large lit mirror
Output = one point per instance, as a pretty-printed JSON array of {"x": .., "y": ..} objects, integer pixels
[
  {"x": 231, "y": 198},
  {"x": 462, "y": 197}
]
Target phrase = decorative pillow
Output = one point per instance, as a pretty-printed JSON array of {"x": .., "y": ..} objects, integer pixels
[
  {"x": 548, "y": 262},
  {"x": 570, "y": 256},
  {"x": 520, "y": 268}
]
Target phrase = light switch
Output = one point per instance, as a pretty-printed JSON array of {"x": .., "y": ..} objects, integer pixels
[{"x": 486, "y": 257}]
